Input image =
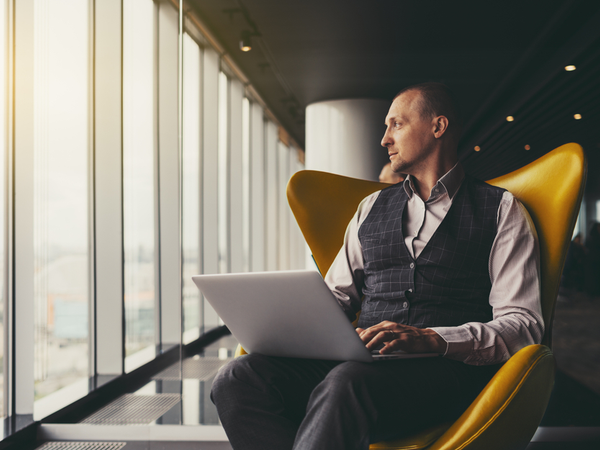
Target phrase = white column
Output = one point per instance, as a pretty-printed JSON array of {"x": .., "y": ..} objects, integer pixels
[{"x": 344, "y": 137}]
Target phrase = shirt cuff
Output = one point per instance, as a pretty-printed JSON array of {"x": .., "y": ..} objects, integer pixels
[{"x": 459, "y": 340}]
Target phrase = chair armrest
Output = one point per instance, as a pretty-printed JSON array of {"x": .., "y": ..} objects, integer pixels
[{"x": 508, "y": 411}]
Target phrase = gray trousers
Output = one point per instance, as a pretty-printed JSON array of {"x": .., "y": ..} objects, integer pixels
[{"x": 285, "y": 403}]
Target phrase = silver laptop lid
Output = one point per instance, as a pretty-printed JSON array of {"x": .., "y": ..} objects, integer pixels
[{"x": 286, "y": 313}]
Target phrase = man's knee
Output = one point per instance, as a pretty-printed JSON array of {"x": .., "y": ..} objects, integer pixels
[
  {"x": 347, "y": 379},
  {"x": 235, "y": 373},
  {"x": 247, "y": 370}
]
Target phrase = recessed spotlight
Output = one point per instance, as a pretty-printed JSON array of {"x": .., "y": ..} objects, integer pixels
[
  {"x": 510, "y": 118},
  {"x": 477, "y": 148},
  {"x": 570, "y": 68},
  {"x": 527, "y": 147},
  {"x": 577, "y": 116}
]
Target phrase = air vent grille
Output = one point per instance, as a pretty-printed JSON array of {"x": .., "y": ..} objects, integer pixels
[
  {"x": 82, "y": 446},
  {"x": 131, "y": 409}
]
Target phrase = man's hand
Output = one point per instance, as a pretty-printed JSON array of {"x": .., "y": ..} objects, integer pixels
[{"x": 395, "y": 336}]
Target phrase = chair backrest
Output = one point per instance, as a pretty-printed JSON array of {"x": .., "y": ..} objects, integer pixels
[{"x": 550, "y": 187}]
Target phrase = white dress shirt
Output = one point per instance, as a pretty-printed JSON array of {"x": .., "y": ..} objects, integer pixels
[{"x": 513, "y": 267}]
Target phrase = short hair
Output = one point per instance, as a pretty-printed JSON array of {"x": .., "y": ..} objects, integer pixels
[{"x": 437, "y": 100}]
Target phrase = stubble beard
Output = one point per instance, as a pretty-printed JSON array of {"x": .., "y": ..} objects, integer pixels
[{"x": 399, "y": 165}]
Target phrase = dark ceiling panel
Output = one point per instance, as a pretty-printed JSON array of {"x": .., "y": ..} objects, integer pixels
[{"x": 500, "y": 58}]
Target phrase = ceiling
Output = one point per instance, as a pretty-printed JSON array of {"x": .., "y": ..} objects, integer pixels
[{"x": 500, "y": 58}]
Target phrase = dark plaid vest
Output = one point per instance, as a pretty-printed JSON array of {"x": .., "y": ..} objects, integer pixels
[{"x": 449, "y": 283}]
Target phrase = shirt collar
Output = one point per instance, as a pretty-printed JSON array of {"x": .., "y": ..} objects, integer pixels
[{"x": 449, "y": 183}]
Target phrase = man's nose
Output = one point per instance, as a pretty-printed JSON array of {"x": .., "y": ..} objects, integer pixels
[{"x": 386, "y": 140}]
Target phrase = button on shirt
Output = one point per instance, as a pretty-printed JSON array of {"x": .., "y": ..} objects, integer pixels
[{"x": 513, "y": 267}]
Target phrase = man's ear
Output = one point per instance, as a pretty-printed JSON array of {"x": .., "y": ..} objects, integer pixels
[{"x": 440, "y": 126}]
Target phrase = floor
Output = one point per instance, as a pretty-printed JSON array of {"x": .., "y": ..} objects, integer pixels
[{"x": 180, "y": 394}]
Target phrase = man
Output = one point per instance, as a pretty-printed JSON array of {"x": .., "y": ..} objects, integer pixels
[
  {"x": 387, "y": 175},
  {"x": 445, "y": 264}
]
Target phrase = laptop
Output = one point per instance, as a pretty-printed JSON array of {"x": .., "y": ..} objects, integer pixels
[{"x": 287, "y": 313}]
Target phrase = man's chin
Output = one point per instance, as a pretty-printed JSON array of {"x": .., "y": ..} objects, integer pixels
[{"x": 399, "y": 167}]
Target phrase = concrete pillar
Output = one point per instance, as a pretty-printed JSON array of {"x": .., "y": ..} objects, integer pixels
[{"x": 344, "y": 137}]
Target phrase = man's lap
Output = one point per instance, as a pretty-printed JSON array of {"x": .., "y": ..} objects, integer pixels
[{"x": 409, "y": 394}]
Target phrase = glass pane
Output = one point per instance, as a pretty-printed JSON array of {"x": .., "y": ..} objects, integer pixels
[
  {"x": 257, "y": 189},
  {"x": 3, "y": 186},
  {"x": 223, "y": 189},
  {"x": 246, "y": 182},
  {"x": 61, "y": 207},
  {"x": 283, "y": 158},
  {"x": 139, "y": 139},
  {"x": 272, "y": 196},
  {"x": 191, "y": 188}
]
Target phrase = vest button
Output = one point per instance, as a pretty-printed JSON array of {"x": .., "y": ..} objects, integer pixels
[
  {"x": 410, "y": 290},
  {"x": 412, "y": 265},
  {"x": 405, "y": 304}
]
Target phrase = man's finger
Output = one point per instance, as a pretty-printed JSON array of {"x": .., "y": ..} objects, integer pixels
[
  {"x": 368, "y": 334},
  {"x": 380, "y": 338}
]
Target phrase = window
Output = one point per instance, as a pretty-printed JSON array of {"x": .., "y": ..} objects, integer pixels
[
  {"x": 139, "y": 155},
  {"x": 246, "y": 184},
  {"x": 257, "y": 189},
  {"x": 272, "y": 195},
  {"x": 223, "y": 173},
  {"x": 61, "y": 196},
  {"x": 3, "y": 188},
  {"x": 191, "y": 188},
  {"x": 283, "y": 161},
  {"x": 88, "y": 156}
]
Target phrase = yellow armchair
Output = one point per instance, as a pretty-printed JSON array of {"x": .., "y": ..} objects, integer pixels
[{"x": 507, "y": 412}]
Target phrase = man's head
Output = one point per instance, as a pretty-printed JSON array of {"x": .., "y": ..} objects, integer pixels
[
  {"x": 387, "y": 175},
  {"x": 423, "y": 123},
  {"x": 437, "y": 99}
]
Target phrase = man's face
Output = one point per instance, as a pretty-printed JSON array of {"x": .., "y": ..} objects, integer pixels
[{"x": 408, "y": 137}]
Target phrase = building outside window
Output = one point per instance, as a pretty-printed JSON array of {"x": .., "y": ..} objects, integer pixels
[
  {"x": 139, "y": 188},
  {"x": 61, "y": 238}
]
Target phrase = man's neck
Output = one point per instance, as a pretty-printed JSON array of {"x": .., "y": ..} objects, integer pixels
[{"x": 424, "y": 182}]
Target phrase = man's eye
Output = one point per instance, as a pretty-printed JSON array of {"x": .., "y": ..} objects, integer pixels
[{"x": 396, "y": 125}]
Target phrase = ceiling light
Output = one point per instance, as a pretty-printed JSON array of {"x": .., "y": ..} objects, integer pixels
[
  {"x": 245, "y": 42},
  {"x": 570, "y": 68},
  {"x": 577, "y": 116},
  {"x": 527, "y": 147},
  {"x": 510, "y": 118},
  {"x": 477, "y": 148}
]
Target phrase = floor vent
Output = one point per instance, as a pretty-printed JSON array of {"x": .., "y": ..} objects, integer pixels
[
  {"x": 131, "y": 409},
  {"x": 82, "y": 446},
  {"x": 202, "y": 369}
]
